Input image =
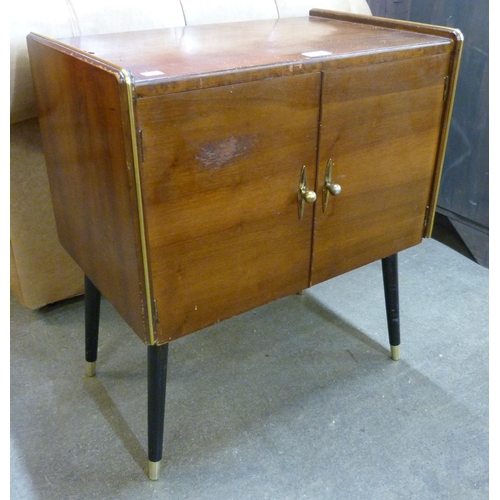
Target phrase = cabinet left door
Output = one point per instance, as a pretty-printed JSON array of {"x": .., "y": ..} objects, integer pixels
[{"x": 220, "y": 174}]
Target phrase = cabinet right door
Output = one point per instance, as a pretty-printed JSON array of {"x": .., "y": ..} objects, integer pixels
[{"x": 380, "y": 127}]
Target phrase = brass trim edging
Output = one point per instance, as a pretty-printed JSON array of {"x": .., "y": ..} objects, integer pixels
[
  {"x": 448, "y": 111},
  {"x": 128, "y": 80}
]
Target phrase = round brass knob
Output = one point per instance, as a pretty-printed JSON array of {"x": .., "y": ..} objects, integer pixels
[
  {"x": 309, "y": 196},
  {"x": 334, "y": 189}
]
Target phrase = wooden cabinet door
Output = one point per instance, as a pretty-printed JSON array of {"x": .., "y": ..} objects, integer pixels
[
  {"x": 380, "y": 127},
  {"x": 220, "y": 175}
]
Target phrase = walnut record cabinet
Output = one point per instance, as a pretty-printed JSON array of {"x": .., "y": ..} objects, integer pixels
[{"x": 199, "y": 172}]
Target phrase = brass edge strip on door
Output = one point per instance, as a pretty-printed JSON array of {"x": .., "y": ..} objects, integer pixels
[
  {"x": 447, "y": 112},
  {"x": 128, "y": 80}
]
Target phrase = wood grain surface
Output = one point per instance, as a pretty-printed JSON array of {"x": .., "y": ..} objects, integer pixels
[
  {"x": 224, "y": 118},
  {"x": 221, "y": 175},
  {"x": 381, "y": 126},
  {"x": 83, "y": 114}
]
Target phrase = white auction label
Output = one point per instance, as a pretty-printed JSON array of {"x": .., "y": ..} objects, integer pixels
[
  {"x": 317, "y": 53},
  {"x": 152, "y": 73}
]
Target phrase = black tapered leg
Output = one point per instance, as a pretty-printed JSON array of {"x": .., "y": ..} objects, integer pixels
[
  {"x": 157, "y": 383},
  {"x": 92, "y": 312},
  {"x": 391, "y": 290}
]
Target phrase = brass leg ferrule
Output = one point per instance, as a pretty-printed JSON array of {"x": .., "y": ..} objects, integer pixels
[
  {"x": 90, "y": 368},
  {"x": 395, "y": 352},
  {"x": 154, "y": 470}
]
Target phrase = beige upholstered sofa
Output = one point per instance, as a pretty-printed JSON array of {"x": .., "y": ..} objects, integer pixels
[{"x": 41, "y": 271}]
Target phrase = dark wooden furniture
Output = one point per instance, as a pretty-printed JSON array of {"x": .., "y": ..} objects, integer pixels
[{"x": 199, "y": 172}]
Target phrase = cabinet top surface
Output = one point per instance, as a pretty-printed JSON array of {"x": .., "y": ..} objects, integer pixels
[{"x": 177, "y": 53}]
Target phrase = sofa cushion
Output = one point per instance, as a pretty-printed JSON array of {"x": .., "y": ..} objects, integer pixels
[
  {"x": 95, "y": 16},
  {"x": 297, "y": 8},
  {"x": 223, "y": 11}
]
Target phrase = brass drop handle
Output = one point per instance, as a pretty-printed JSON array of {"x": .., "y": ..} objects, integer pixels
[
  {"x": 329, "y": 187},
  {"x": 304, "y": 195}
]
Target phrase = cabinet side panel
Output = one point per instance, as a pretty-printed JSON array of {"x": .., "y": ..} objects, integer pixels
[
  {"x": 381, "y": 127},
  {"x": 85, "y": 126}
]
